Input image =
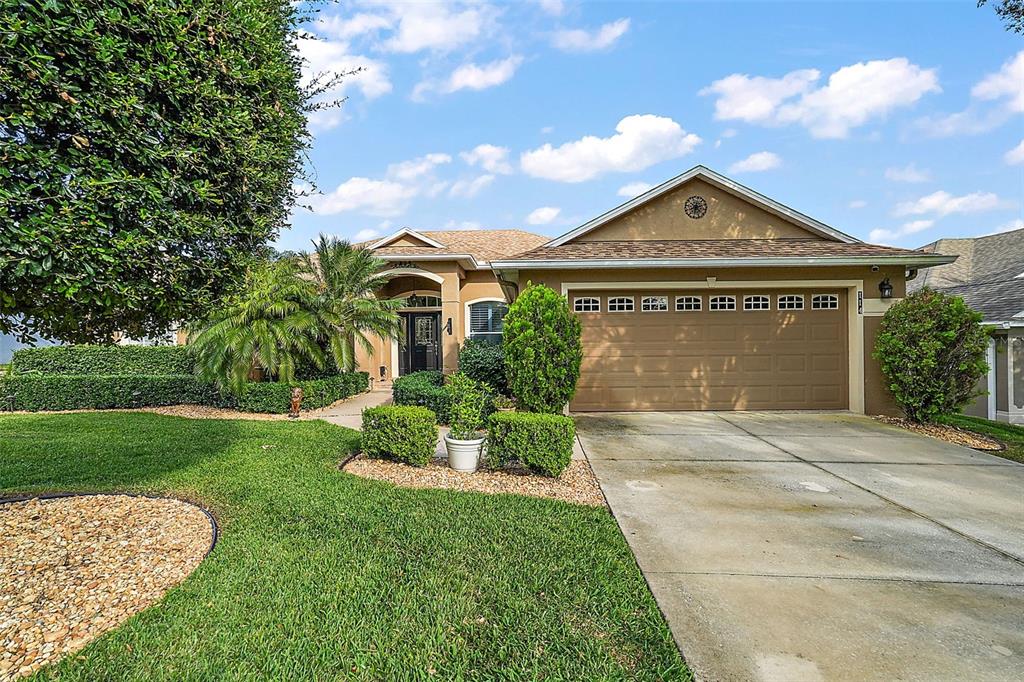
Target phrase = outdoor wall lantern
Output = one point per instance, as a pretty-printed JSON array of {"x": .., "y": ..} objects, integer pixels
[
  {"x": 885, "y": 288},
  {"x": 448, "y": 326}
]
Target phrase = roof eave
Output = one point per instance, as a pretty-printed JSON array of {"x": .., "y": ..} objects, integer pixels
[
  {"x": 466, "y": 260},
  {"x": 714, "y": 178},
  {"x": 924, "y": 260}
]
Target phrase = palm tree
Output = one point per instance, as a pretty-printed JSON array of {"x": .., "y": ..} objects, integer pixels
[
  {"x": 347, "y": 281},
  {"x": 272, "y": 323}
]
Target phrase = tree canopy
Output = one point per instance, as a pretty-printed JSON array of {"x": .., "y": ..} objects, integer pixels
[{"x": 149, "y": 150}]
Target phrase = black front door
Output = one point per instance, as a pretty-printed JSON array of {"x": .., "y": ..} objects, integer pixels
[{"x": 422, "y": 347}]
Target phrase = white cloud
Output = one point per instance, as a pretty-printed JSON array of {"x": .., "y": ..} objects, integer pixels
[
  {"x": 471, "y": 77},
  {"x": 1016, "y": 155},
  {"x": 1015, "y": 224},
  {"x": 1006, "y": 84},
  {"x": 436, "y": 26},
  {"x": 913, "y": 227},
  {"x": 407, "y": 171},
  {"x": 341, "y": 28},
  {"x": 943, "y": 203},
  {"x": 547, "y": 130},
  {"x": 468, "y": 189},
  {"x": 640, "y": 141},
  {"x": 374, "y": 197},
  {"x": 553, "y": 7},
  {"x": 366, "y": 234},
  {"x": 581, "y": 40},
  {"x": 857, "y": 203},
  {"x": 853, "y": 95},
  {"x": 634, "y": 189},
  {"x": 491, "y": 158},
  {"x": 322, "y": 58},
  {"x": 462, "y": 225},
  {"x": 908, "y": 173},
  {"x": 759, "y": 161},
  {"x": 543, "y": 215}
]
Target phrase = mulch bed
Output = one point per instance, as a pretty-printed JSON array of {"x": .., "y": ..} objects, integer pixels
[
  {"x": 577, "y": 484},
  {"x": 72, "y": 568},
  {"x": 950, "y": 434}
]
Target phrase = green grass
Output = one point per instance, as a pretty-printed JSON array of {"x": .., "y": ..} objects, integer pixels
[
  {"x": 322, "y": 575},
  {"x": 1011, "y": 434}
]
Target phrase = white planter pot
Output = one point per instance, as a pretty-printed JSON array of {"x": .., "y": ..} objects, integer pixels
[{"x": 464, "y": 455}]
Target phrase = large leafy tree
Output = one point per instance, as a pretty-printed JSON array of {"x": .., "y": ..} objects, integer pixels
[
  {"x": 347, "y": 282},
  {"x": 148, "y": 150},
  {"x": 270, "y": 324}
]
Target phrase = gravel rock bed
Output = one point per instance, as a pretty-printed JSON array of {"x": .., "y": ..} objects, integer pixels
[
  {"x": 72, "y": 568},
  {"x": 950, "y": 434},
  {"x": 577, "y": 484}
]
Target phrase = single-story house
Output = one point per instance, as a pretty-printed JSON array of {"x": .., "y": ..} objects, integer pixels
[
  {"x": 989, "y": 275},
  {"x": 699, "y": 294}
]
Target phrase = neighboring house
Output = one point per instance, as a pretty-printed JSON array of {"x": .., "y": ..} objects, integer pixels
[
  {"x": 698, "y": 294},
  {"x": 989, "y": 275}
]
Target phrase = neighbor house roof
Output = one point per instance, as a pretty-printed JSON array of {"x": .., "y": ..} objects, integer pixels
[
  {"x": 480, "y": 246},
  {"x": 989, "y": 273},
  {"x": 715, "y": 252},
  {"x": 718, "y": 180}
]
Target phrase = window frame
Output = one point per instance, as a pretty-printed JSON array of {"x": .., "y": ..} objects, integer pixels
[
  {"x": 761, "y": 298},
  {"x": 713, "y": 299},
  {"x": 689, "y": 299},
  {"x": 832, "y": 298},
  {"x": 614, "y": 300},
  {"x": 470, "y": 334},
  {"x": 645, "y": 299},
  {"x": 576, "y": 300},
  {"x": 784, "y": 305}
]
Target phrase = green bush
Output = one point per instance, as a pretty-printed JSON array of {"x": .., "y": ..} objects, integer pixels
[
  {"x": 466, "y": 400},
  {"x": 542, "y": 350},
  {"x": 540, "y": 442},
  {"x": 401, "y": 433},
  {"x": 932, "y": 350},
  {"x": 484, "y": 362},
  {"x": 70, "y": 392},
  {"x": 276, "y": 397},
  {"x": 424, "y": 389},
  {"x": 105, "y": 360}
]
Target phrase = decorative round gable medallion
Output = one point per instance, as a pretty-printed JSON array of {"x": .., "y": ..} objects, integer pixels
[{"x": 695, "y": 207}]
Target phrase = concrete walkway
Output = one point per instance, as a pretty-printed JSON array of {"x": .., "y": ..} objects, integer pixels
[
  {"x": 809, "y": 547},
  {"x": 350, "y": 412}
]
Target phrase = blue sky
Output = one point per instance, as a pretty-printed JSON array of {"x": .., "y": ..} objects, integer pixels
[{"x": 898, "y": 123}]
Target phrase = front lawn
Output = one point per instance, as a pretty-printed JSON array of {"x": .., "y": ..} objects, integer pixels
[
  {"x": 322, "y": 575},
  {"x": 1011, "y": 434}
]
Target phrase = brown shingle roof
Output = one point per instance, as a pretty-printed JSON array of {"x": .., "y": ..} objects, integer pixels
[
  {"x": 483, "y": 245},
  {"x": 709, "y": 248}
]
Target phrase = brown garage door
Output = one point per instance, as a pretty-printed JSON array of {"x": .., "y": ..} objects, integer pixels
[{"x": 717, "y": 350}]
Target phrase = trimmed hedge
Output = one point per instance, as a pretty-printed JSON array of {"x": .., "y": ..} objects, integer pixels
[
  {"x": 541, "y": 442},
  {"x": 402, "y": 433},
  {"x": 105, "y": 360},
  {"x": 276, "y": 398},
  {"x": 423, "y": 389},
  {"x": 484, "y": 362},
  {"x": 70, "y": 392}
]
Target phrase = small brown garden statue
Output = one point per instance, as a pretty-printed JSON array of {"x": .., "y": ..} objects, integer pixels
[{"x": 296, "y": 403}]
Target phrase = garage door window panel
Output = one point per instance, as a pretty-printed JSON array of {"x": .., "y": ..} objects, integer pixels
[
  {"x": 757, "y": 303},
  {"x": 587, "y": 304},
  {"x": 688, "y": 303},
  {"x": 791, "y": 302},
  {"x": 620, "y": 304},
  {"x": 654, "y": 304},
  {"x": 722, "y": 303},
  {"x": 824, "y": 302}
]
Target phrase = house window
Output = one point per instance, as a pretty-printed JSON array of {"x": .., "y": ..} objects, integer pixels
[
  {"x": 688, "y": 303},
  {"x": 653, "y": 304},
  {"x": 824, "y": 302},
  {"x": 791, "y": 302},
  {"x": 587, "y": 305},
  {"x": 422, "y": 301},
  {"x": 722, "y": 303},
  {"x": 757, "y": 303},
  {"x": 486, "y": 321},
  {"x": 620, "y": 304}
]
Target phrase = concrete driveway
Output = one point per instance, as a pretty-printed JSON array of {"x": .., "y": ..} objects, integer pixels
[{"x": 805, "y": 546}]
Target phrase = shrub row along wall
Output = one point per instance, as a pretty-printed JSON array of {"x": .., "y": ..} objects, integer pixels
[
  {"x": 105, "y": 360},
  {"x": 104, "y": 377}
]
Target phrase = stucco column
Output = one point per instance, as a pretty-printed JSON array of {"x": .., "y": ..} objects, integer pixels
[{"x": 451, "y": 309}]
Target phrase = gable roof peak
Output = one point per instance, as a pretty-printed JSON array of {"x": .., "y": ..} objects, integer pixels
[
  {"x": 722, "y": 182},
  {"x": 406, "y": 232}
]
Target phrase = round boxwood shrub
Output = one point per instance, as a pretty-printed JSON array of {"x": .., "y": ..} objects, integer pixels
[
  {"x": 932, "y": 350},
  {"x": 484, "y": 362},
  {"x": 425, "y": 389},
  {"x": 402, "y": 433},
  {"x": 542, "y": 350},
  {"x": 540, "y": 442}
]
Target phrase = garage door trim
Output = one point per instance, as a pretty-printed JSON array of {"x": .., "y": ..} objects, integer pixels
[{"x": 855, "y": 317}]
